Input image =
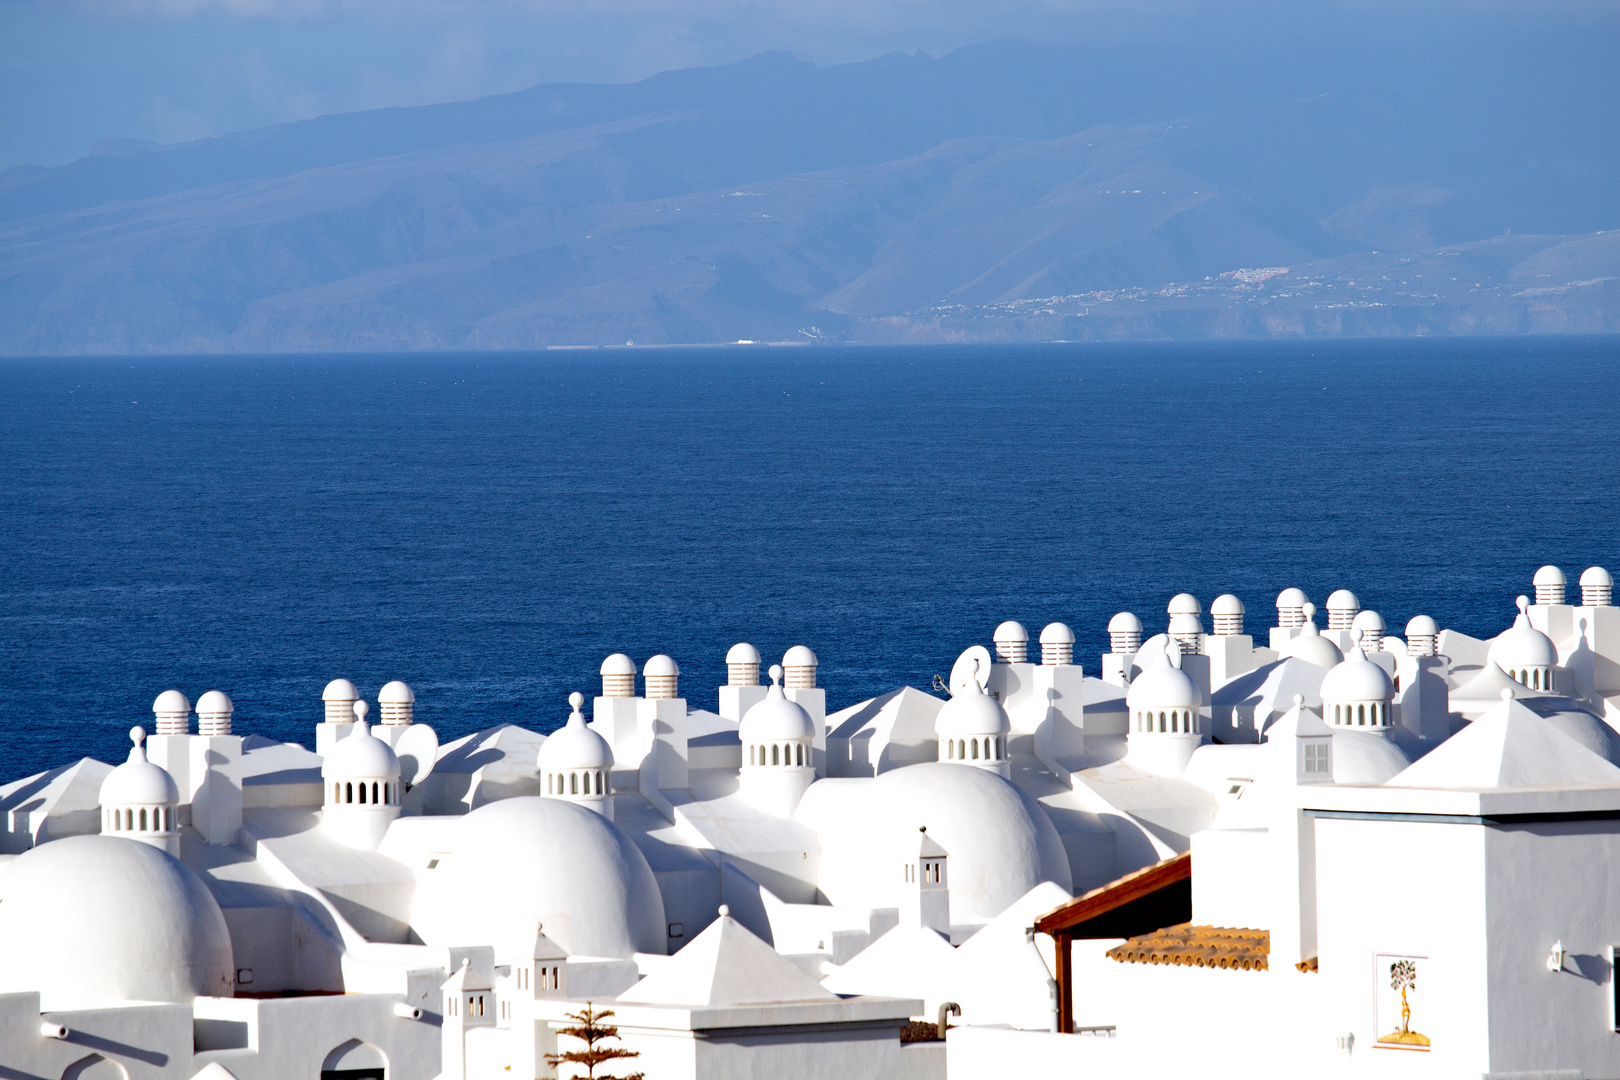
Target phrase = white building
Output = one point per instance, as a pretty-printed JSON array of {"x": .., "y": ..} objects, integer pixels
[{"x": 1218, "y": 857}]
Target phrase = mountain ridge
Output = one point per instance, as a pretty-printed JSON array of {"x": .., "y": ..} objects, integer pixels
[{"x": 773, "y": 200}]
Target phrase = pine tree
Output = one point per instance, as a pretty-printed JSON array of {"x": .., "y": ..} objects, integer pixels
[{"x": 589, "y": 1029}]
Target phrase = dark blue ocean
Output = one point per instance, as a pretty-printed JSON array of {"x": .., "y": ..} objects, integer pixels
[{"x": 488, "y": 527}]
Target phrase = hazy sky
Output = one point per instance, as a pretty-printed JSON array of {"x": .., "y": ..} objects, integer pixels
[{"x": 73, "y": 71}]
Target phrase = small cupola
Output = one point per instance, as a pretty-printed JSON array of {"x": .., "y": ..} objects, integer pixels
[
  {"x": 172, "y": 713},
  {"x": 1525, "y": 653},
  {"x": 1357, "y": 693},
  {"x": 1422, "y": 636},
  {"x": 1549, "y": 584},
  {"x": 576, "y": 763},
  {"x": 339, "y": 698},
  {"x": 1370, "y": 625},
  {"x": 1124, "y": 633},
  {"x": 661, "y": 678},
  {"x": 1057, "y": 645},
  {"x": 397, "y": 703},
  {"x": 1226, "y": 612},
  {"x": 1163, "y": 706},
  {"x": 799, "y": 668},
  {"x": 1290, "y": 608},
  {"x": 972, "y": 729},
  {"x": 1342, "y": 608},
  {"x": 1012, "y": 642},
  {"x": 1187, "y": 632},
  {"x": 778, "y": 759},
  {"x": 618, "y": 676},
  {"x": 1597, "y": 587},
  {"x": 742, "y": 665},
  {"x": 214, "y": 711},
  {"x": 361, "y": 780},
  {"x": 140, "y": 800}
]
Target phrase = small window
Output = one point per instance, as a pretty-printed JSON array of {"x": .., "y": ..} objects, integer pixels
[
  {"x": 573, "y": 783},
  {"x": 776, "y": 755}
]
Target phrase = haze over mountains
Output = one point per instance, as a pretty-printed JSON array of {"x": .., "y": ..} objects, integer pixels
[{"x": 1001, "y": 192}]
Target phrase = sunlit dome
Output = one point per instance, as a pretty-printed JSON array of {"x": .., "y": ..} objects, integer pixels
[
  {"x": 1163, "y": 686},
  {"x": 527, "y": 861},
  {"x": 1226, "y": 604},
  {"x": 618, "y": 664},
  {"x": 776, "y": 719},
  {"x": 574, "y": 746},
  {"x": 99, "y": 921},
  {"x": 395, "y": 693},
  {"x": 1010, "y": 631},
  {"x": 1522, "y": 646},
  {"x": 1184, "y": 604},
  {"x": 1057, "y": 634},
  {"x": 1422, "y": 626},
  {"x": 340, "y": 690},
  {"x": 138, "y": 782},
  {"x": 359, "y": 755},
  {"x": 1125, "y": 623},
  {"x": 741, "y": 653},
  {"x": 971, "y": 712}
]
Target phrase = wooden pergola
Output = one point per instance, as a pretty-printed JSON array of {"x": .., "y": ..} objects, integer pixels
[{"x": 1149, "y": 899}]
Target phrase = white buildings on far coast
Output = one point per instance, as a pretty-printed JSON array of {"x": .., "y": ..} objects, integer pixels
[{"x": 1334, "y": 849}]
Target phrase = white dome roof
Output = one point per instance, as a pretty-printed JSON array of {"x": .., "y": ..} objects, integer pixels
[
  {"x": 775, "y": 719},
  {"x": 1363, "y": 757},
  {"x": 1311, "y": 646},
  {"x": 575, "y": 745},
  {"x": 998, "y": 841},
  {"x": 1057, "y": 634},
  {"x": 138, "y": 781},
  {"x": 361, "y": 754},
  {"x": 1549, "y": 575},
  {"x": 1163, "y": 686},
  {"x": 1522, "y": 645},
  {"x": 1184, "y": 604},
  {"x": 1226, "y": 604},
  {"x": 1125, "y": 623},
  {"x": 1357, "y": 678},
  {"x": 656, "y": 666},
  {"x": 1291, "y": 598},
  {"x": 1010, "y": 631},
  {"x": 395, "y": 693},
  {"x": 971, "y": 712},
  {"x": 171, "y": 701},
  {"x": 526, "y": 860},
  {"x": 215, "y": 701},
  {"x": 340, "y": 690},
  {"x": 1596, "y": 577},
  {"x": 1369, "y": 620},
  {"x": 742, "y": 653},
  {"x": 1343, "y": 600},
  {"x": 799, "y": 656},
  {"x": 1422, "y": 625},
  {"x": 1583, "y": 727},
  {"x": 92, "y": 921},
  {"x": 618, "y": 664}
]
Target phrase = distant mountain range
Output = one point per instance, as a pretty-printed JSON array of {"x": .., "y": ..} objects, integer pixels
[{"x": 1002, "y": 192}]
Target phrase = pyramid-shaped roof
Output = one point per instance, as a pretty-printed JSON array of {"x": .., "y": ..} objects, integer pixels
[
  {"x": 726, "y": 965},
  {"x": 1508, "y": 747},
  {"x": 908, "y": 960}
]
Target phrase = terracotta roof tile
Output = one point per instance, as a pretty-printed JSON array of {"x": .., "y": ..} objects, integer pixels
[{"x": 1233, "y": 949}]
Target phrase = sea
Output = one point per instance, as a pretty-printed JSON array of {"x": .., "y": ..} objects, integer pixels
[{"x": 488, "y": 527}]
